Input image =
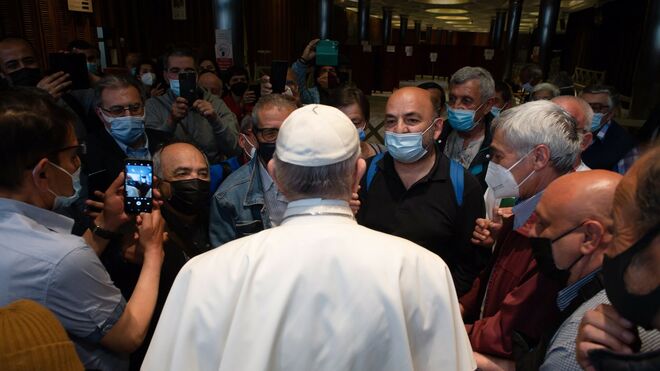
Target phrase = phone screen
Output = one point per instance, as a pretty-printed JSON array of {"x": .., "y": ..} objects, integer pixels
[{"x": 138, "y": 186}]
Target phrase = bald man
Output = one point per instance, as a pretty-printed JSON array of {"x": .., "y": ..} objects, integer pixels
[
  {"x": 573, "y": 227},
  {"x": 631, "y": 279},
  {"x": 183, "y": 177},
  {"x": 583, "y": 114},
  {"x": 409, "y": 192},
  {"x": 211, "y": 82}
]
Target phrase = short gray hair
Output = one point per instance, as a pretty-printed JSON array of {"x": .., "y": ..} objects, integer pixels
[
  {"x": 541, "y": 122},
  {"x": 116, "y": 82},
  {"x": 554, "y": 90},
  {"x": 275, "y": 100},
  {"x": 486, "y": 82},
  {"x": 333, "y": 181}
]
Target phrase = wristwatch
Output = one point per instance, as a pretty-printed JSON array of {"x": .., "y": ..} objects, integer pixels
[{"x": 104, "y": 233}]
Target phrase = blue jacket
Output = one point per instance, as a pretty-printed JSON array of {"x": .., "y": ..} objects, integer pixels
[{"x": 238, "y": 206}]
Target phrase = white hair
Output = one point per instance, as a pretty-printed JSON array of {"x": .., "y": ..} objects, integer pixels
[
  {"x": 582, "y": 104},
  {"x": 541, "y": 122},
  {"x": 553, "y": 89},
  {"x": 486, "y": 82}
]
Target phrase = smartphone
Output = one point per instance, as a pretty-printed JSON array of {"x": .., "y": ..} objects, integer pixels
[
  {"x": 72, "y": 63},
  {"x": 278, "y": 71},
  {"x": 188, "y": 86},
  {"x": 138, "y": 186},
  {"x": 256, "y": 88}
]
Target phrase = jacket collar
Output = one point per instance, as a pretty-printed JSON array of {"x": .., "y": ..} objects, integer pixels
[{"x": 255, "y": 191}]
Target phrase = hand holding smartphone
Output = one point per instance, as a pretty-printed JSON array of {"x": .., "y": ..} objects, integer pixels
[
  {"x": 138, "y": 192},
  {"x": 188, "y": 86}
]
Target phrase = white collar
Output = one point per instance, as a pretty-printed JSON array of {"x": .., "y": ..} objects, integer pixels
[{"x": 317, "y": 206}]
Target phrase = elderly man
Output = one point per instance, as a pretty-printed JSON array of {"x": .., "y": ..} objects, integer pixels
[
  {"x": 249, "y": 201},
  {"x": 206, "y": 122},
  {"x": 607, "y": 335},
  {"x": 583, "y": 115},
  {"x": 42, "y": 260},
  {"x": 211, "y": 82},
  {"x": 290, "y": 293},
  {"x": 572, "y": 229},
  {"x": 533, "y": 144},
  {"x": 183, "y": 180},
  {"x": 467, "y": 138},
  {"x": 544, "y": 91},
  {"x": 414, "y": 191},
  {"x": 120, "y": 109},
  {"x": 611, "y": 142}
]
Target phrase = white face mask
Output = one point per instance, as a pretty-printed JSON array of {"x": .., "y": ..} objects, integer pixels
[
  {"x": 501, "y": 181},
  {"x": 253, "y": 148},
  {"x": 148, "y": 78}
]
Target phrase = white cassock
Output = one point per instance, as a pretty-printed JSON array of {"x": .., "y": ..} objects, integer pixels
[{"x": 317, "y": 293}]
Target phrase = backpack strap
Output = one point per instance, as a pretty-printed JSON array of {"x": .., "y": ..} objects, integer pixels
[
  {"x": 457, "y": 179},
  {"x": 373, "y": 168}
]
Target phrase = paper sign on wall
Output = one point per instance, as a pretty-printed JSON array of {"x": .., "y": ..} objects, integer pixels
[
  {"x": 489, "y": 53},
  {"x": 80, "y": 6},
  {"x": 409, "y": 51},
  {"x": 224, "y": 54},
  {"x": 391, "y": 48},
  {"x": 433, "y": 56},
  {"x": 179, "y": 10}
]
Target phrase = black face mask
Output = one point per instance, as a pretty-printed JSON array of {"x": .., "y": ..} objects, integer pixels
[
  {"x": 189, "y": 196},
  {"x": 333, "y": 81},
  {"x": 542, "y": 250},
  {"x": 26, "y": 77},
  {"x": 239, "y": 88},
  {"x": 265, "y": 152},
  {"x": 639, "y": 309}
]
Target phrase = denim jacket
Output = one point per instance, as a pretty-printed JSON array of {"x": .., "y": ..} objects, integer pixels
[{"x": 238, "y": 206}]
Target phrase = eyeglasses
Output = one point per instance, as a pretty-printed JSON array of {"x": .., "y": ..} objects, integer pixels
[
  {"x": 177, "y": 70},
  {"x": 118, "y": 110},
  {"x": 81, "y": 149},
  {"x": 268, "y": 134}
]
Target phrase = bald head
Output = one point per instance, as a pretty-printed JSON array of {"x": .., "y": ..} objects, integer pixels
[
  {"x": 409, "y": 100},
  {"x": 180, "y": 161},
  {"x": 211, "y": 82},
  {"x": 578, "y": 108},
  {"x": 580, "y": 195}
]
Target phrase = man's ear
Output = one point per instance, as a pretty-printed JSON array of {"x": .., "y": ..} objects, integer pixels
[
  {"x": 439, "y": 124},
  {"x": 360, "y": 168},
  {"x": 540, "y": 156},
  {"x": 593, "y": 237},
  {"x": 40, "y": 175}
]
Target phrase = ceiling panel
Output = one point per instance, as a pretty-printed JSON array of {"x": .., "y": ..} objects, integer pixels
[{"x": 475, "y": 14}]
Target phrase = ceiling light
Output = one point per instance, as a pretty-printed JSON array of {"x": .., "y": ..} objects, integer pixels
[
  {"x": 453, "y": 18},
  {"x": 458, "y": 22},
  {"x": 444, "y": 2},
  {"x": 534, "y": 14},
  {"x": 352, "y": 9},
  {"x": 446, "y": 11}
]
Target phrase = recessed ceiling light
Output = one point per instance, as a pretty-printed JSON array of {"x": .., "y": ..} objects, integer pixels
[
  {"x": 572, "y": 3},
  {"x": 446, "y": 11},
  {"x": 534, "y": 14},
  {"x": 453, "y": 18},
  {"x": 352, "y": 9},
  {"x": 444, "y": 2},
  {"x": 458, "y": 22}
]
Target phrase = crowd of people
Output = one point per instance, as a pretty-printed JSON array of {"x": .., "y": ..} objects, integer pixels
[{"x": 490, "y": 230}]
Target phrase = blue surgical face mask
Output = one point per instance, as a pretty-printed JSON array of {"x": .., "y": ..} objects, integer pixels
[
  {"x": 92, "y": 68},
  {"x": 361, "y": 134},
  {"x": 461, "y": 119},
  {"x": 495, "y": 111},
  {"x": 408, "y": 147},
  {"x": 126, "y": 129},
  {"x": 175, "y": 87},
  {"x": 596, "y": 121},
  {"x": 66, "y": 201}
]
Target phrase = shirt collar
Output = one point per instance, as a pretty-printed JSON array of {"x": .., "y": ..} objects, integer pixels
[
  {"x": 51, "y": 220},
  {"x": 139, "y": 153},
  {"x": 266, "y": 180},
  {"x": 317, "y": 206},
  {"x": 569, "y": 293},
  {"x": 524, "y": 210},
  {"x": 603, "y": 131}
]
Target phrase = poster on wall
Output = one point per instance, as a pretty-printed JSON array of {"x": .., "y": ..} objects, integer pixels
[
  {"x": 224, "y": 54},
  {"x": 80, "y": 6},
  {"x": 179, "y": 10}
]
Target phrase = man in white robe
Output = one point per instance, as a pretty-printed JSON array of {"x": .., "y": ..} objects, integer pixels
[{"x": 318, "y": 292}]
